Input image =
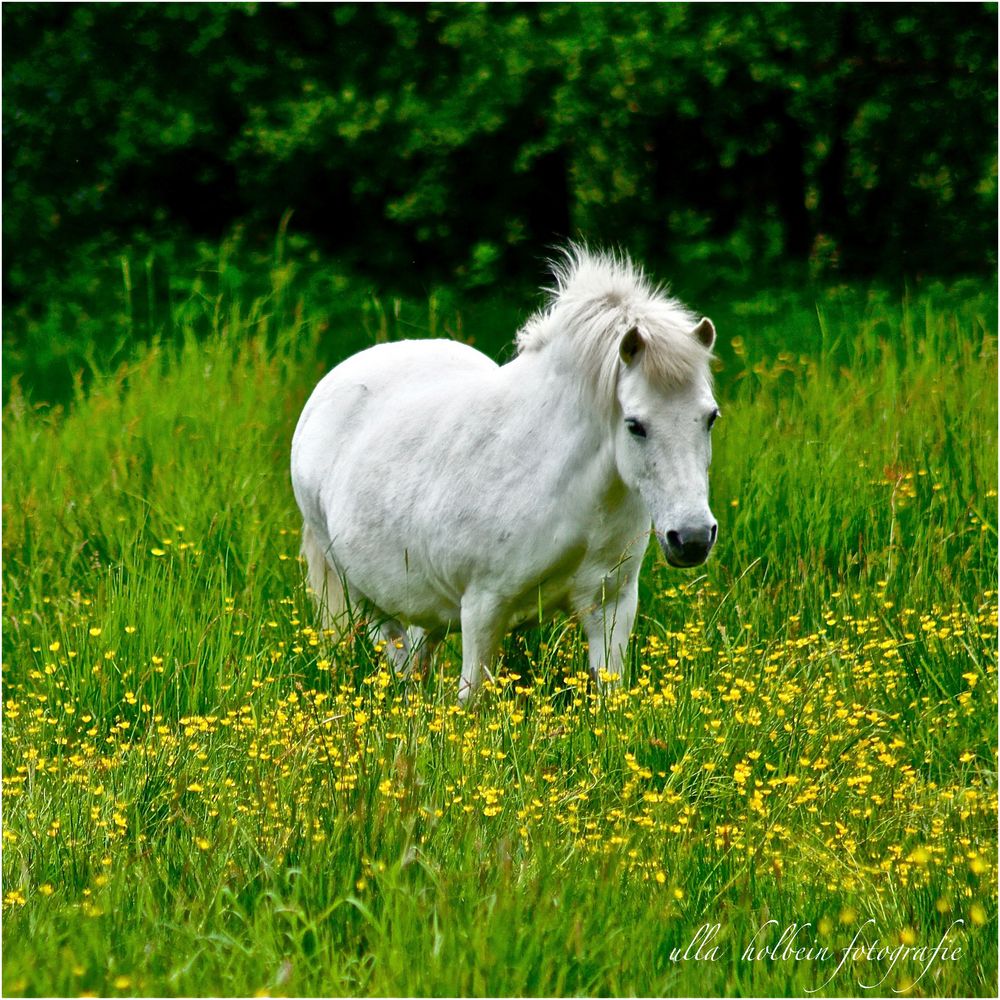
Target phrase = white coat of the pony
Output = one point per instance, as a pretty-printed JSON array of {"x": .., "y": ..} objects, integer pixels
[{"x": 439, "y": 490}]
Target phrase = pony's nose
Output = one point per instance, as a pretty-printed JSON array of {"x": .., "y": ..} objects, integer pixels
[{"x": 691, "y": 545}]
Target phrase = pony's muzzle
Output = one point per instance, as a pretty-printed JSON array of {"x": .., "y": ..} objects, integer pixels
[{"x": 689, "y": 546}]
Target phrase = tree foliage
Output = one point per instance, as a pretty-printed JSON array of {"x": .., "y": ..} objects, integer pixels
[{"x": 454, "y": 135}]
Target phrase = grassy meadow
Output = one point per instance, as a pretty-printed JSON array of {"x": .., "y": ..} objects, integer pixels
[{"x": 202, "y": 795}]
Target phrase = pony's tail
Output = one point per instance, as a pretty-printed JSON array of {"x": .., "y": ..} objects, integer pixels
[{"x": 328, "y": 590}]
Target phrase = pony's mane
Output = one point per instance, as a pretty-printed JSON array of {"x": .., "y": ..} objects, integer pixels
[{"x": 597, "y": 298}]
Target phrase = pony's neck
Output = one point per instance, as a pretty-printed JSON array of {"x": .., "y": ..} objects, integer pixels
[{"x": 567, "y": 421}]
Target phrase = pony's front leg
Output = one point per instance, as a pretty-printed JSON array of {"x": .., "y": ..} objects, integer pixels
[
  {"x": 484, "y": 620},
  {"x": 608, "y": 626}
]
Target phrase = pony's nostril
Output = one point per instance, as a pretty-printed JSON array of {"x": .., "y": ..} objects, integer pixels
[
  {"x": 713, "y": 534},
  {"x": 673, "y": 539}
]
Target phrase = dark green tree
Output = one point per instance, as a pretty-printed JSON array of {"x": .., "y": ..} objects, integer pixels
[{"x": 467, "y": 138}]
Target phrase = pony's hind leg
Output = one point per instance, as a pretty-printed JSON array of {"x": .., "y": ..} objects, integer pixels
[
  {"x": 328, "y": 590},
  {"x": 408, "y": 650},
  {"x": 422, "y": 649},
  {"x": 390, "y": 638}
]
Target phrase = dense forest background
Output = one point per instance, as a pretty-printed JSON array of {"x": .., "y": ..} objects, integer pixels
[{"x": 422, "y": 144}]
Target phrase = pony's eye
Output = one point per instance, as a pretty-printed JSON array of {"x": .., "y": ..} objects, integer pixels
[
  {"x": 635, "y": 428},
  {"x": 712, "y": 417}
]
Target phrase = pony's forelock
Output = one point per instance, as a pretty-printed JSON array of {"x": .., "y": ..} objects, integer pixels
[{"x": 596, "y": 299}]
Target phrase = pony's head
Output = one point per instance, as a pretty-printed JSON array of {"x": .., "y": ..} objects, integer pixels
[
  {"x": 645, "y": 360},
  {"x": 663, "y": 443}
]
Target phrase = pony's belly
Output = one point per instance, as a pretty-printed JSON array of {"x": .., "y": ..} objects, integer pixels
[
  {"x": 410, "y": 598},
  {"x": 539, "y": 604},
  {"x": 431, "y": 598},
  {"x": 539, "y": 614},
  {"x": 432, "y": 615}
]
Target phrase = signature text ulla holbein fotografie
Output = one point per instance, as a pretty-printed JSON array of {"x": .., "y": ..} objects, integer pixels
[{"x": 793, "y": 945}]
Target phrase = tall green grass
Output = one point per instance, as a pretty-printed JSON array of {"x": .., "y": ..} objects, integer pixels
[{"x": 202, "y": 797}]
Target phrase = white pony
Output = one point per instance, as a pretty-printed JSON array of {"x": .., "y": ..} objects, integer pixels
[{"x": 439, "y": 489}]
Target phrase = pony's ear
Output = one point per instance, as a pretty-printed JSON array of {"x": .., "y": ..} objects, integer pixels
[
  {"x": 705, "y": 333},
  {"x": 632, "y": 343}
]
